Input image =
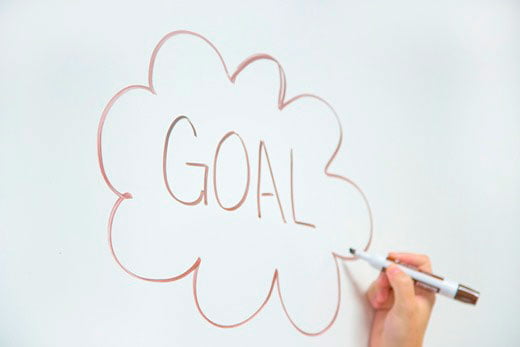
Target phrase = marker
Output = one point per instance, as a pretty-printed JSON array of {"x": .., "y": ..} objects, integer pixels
[{"x": 423, "y": 279}]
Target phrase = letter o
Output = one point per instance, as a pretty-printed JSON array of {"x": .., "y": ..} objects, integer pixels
[{"x": 244, "y": 196}]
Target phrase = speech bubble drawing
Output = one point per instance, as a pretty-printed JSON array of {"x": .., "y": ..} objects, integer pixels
[{"x": 263, "y": 157}]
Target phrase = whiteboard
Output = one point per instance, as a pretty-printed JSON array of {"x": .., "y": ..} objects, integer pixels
[{"x": 193, "y": 173}]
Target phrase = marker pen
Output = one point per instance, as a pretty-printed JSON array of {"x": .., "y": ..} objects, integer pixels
[{"x": 424, "y": 279}]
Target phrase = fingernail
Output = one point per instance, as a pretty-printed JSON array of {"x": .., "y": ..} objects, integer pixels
[{"x": 393, "y": 270}]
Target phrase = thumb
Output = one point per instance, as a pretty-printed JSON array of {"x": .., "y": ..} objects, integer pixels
[{"x": 404, "y": 292}]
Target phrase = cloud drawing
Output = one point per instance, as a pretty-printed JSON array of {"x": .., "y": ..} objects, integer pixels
[{"x": 261, "y": 181}]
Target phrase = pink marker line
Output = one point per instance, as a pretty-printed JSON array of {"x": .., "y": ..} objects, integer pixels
[{"x": 282, "y": 103}]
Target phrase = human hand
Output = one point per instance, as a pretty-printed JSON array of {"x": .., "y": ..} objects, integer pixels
[{"x": 402, "y": 310}]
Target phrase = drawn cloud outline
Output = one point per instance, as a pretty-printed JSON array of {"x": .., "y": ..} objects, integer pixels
[{"x": 282, "y": 103}]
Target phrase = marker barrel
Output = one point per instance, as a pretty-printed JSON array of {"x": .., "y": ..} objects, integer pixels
[{"x": 424, "y": 279}]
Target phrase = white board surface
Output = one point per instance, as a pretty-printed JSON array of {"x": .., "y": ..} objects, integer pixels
[{"x": 427, "y": 97}]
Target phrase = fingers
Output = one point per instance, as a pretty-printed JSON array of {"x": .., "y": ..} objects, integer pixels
[
  {"x": 403, "y": 288},
  {"x": 419, "y": 261},
  {"x": 379, "y": 294},
  {"x": 394, "y": 287}
]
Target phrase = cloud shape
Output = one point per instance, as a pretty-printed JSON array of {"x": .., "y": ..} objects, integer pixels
[{"x": 282, "y": 103}]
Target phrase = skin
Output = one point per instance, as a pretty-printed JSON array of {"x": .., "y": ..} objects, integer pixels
[{"x": 402, "y": 310}]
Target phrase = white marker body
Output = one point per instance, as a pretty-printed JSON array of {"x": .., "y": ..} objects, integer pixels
[{"x": 442, "y": 286}]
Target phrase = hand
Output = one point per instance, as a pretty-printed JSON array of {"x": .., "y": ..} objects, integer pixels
[{"x": 402, "y": 310}]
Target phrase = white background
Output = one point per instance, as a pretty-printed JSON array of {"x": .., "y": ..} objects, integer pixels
[{"x": 428, "y": 94}]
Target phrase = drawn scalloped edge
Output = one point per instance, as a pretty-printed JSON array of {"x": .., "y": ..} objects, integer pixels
[{"x": 282, "y": 103}]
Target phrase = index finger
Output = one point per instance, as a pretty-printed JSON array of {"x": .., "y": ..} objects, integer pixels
[{"x": 420, "y": 261}]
